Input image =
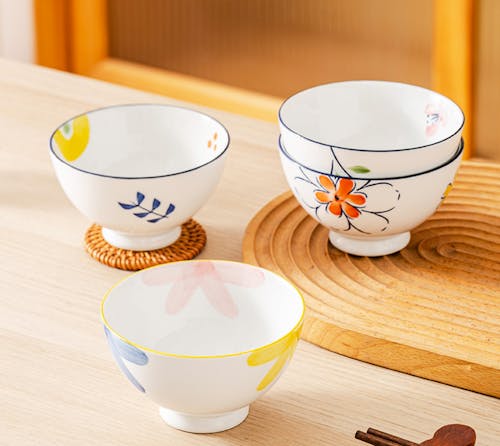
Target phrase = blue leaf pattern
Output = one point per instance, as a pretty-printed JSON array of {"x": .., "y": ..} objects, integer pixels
[
  {"x": 154, "y": 220},
  {"x": 127, "y": 206},
  {"x": 170, "y": 209},
  {"x": 156, "y": 216},
  {"x": 140, "y": 198},
  {"x": 156, "y": 203}
]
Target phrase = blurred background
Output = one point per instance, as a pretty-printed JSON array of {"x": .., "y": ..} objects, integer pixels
[{"x": 245, "y": 56}]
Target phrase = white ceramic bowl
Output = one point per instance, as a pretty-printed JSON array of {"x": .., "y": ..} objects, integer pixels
[
  {"x": 139, "y": 170},
  {"x": 370, "y": 129},
  {"x": 369, "y": 217},
  {"x": 203, "y": 339}
]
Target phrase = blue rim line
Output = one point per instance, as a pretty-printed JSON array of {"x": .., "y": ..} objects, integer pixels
[
  {"x": 369, "y": 150},
  {"x": 329, "y": 174},
  {"x": 140, "y": 104}
]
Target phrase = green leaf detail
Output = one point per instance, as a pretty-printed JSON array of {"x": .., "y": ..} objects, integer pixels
[
  {"x": 66, "y": 128},
  {"x": 359, "y": 169}
]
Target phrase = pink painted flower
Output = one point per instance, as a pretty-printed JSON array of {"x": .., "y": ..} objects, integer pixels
[
  {"x": 435, "y": 117},
  {"x": 209, "y": 277}
]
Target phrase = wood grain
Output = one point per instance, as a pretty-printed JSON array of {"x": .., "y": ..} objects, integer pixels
[
  {"x": 52, "y": 33},
  {"x": 431, "y": 310},
  {"x": 58, "y": 382},
  {"x": 188, "y": 88},
  {"x": 452, "y": 66},
  {"x": 89, "y": 34},
  {"x": 277, "y": 47},
  {"x": 486, "y": 97}
]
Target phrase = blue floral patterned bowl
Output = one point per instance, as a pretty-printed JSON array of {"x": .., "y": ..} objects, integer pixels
[
  {"x": 139, "y": 170},
  {"x": 369, "y": 217},
  {"x": 370, "y": 129},
  {"x": 203, "y": 339}
]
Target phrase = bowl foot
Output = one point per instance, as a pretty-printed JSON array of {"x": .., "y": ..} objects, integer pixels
[
  {"x": 369, "y": 246},
  {"x": 203, "y": 424},
  {"x": 135, "y": 242}
]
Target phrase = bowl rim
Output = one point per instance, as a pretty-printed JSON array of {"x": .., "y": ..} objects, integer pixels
[
  {"x": 456, "y": 155},
  {"x": 140, "y": 104},
  {"x": 374, "y": 81},
  {"x": 295, "y": 328}
]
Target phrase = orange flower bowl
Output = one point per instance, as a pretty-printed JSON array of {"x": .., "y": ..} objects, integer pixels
[
  {"x": 370, "y": 129},
  {"x": 369, "y": 217}
]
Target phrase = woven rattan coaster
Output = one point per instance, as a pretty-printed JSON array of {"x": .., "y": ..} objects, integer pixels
[{"x": 190, "y": 243}]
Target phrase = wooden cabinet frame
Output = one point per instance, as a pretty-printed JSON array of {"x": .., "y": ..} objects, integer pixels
[{"x": 72, "y": 35}]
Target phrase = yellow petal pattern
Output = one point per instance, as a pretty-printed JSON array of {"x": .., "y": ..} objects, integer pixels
[
  {"x": 273, "y": 372},
  {"x": 448, "y": 190},
  {"x": 72, "y": 148},
  {"x": 282, "y": 351},
  {"x": 267, "y": 354}
]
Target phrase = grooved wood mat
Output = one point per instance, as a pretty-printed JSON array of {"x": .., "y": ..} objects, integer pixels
[{"x": 431, "y": 310}]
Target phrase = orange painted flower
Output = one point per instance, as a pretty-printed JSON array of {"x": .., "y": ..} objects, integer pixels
[
  {"x": 346, "y": 204},
  {"x": 338, "y": 197},
  {"x": 212, "y": 143}
]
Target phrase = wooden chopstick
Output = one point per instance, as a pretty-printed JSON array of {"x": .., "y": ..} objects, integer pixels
[
  {"x": 457, "y": 434},
  {"x": 390, "y": 437},
  {"x": 379, "y": 438}
]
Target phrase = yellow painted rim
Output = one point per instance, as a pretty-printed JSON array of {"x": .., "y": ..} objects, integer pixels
[{"x": 296, "y": 327}]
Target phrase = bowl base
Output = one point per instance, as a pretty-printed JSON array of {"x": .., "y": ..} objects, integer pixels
[
  {"x": 204, "y": 424},
  {"x": 369, "y": 246},
  {"x": 135, "y": 242}
]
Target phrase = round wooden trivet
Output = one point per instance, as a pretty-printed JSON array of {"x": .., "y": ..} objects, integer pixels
[
  {"x": 190, "y": 243},
  {"x": 432, "y": 310}
]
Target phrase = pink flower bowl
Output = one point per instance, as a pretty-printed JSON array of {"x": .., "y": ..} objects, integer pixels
[{"x": 203, "y": 339}]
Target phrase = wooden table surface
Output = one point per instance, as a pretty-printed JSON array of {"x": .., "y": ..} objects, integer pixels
[{"x": 58, "y": 382}]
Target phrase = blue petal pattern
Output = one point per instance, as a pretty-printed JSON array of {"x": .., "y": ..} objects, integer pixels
[{"x": 121, "y": 350}]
